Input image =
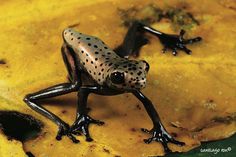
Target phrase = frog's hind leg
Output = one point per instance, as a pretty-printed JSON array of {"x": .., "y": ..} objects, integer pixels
[
  {"x": 133, "y": 41},
  {"x": 57, "y": 90},
  {"x": 173, "y": 42},
  {"x": 71, "y": 62}
]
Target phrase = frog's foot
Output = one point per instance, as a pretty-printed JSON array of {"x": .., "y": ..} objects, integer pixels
[
  {"x": 81, "y": 125},
  {"x": 160, "y": 135},
  {"x": 64, "y": 130},
  {"x": 175, "y": 42}
]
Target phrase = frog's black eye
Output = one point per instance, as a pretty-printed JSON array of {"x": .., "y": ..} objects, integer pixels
[{"x": 117, "y": 77}]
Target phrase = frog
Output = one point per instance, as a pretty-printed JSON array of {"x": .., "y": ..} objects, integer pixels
[{"x": 94, "y": 67}]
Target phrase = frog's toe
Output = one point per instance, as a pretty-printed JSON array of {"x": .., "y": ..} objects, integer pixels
[
  {"x": 81, "y": 126},
  {"x": 174, "y": 52},
  {"x": 172, "y": 140},
  {"x": 73, "y": 139},
  {"x": 89, "y": 139},
  {"x": 77, "y": 133},
  {"x": 145, "y": 130},
  {"x": 65, "y": 131},
  {"x": 163, "y": 142},
  {"x": 181, "y": 33},
  {"x": 164, "y": 49},
  {"x": 166, "y": 148},
  {"x": 160, "y": 135},
  {"x": 186, "y": 50},
  {"x": 149, "y": 140},
  {"x": 98, "y": 122},
  {"x": 193, "y": 40}
]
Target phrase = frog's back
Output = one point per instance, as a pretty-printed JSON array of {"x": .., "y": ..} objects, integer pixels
[{"x": 94, "y": 55}]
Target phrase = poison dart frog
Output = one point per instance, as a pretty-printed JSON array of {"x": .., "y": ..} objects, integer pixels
[{"x": 93, "y": 67}]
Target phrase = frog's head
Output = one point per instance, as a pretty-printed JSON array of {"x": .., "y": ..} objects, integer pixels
[{"x": 128, "y": 75}]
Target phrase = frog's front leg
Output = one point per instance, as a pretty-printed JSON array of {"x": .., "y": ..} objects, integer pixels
[
  {"x": 158, "y": 131},
  {"x": 64, "y": 88},
  {"x": 83, "y": 120},
  {"x": 57, "y": 90}
]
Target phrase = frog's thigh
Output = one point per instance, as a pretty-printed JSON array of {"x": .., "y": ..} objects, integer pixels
[
  {"x": 133, "y": 41},
  {"x": 71, "y": 63}
]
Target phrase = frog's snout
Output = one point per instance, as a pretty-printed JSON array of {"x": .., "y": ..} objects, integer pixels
[
  {"x": 68, "y": 35},
  {"x": 66, "y": 32}
]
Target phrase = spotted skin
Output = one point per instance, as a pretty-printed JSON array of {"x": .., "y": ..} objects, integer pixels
[{"x": 100, "y": 61}]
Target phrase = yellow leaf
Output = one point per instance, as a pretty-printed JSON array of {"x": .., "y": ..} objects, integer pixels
[
  {"x": 191, "y": 93},
  {"x": 10, "y": 148}
]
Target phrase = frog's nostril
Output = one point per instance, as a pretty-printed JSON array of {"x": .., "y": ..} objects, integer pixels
[
  {"x": 64, "y": 33},
  {"x": 67, "y": 31}
]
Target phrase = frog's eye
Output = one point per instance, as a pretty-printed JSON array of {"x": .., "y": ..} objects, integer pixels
[{"x": 117, "y": 77}]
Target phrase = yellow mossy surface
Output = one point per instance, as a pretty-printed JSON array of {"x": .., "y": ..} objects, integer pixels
[
  {"x": 10, "y": 148},
  {"x": 190, "y": 92}
]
